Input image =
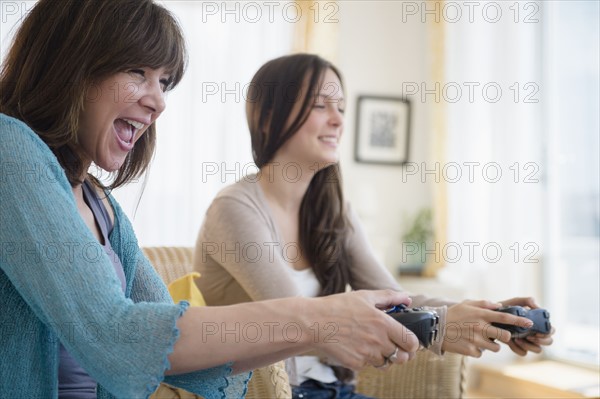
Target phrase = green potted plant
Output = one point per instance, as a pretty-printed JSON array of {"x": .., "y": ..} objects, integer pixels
[{"x": 415, "y": 239}]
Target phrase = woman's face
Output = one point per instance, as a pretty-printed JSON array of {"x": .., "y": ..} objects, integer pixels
[
  {"x": 317, "y": 140},
  {"x": 117, "y": 111}
]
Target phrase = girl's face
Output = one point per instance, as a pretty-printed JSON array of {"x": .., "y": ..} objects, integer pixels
[
  {"x": 117, "y": 111},
  {"x": 316, "y": 142}
]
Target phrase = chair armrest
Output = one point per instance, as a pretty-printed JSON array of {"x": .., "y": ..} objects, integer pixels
[
  {"x": 170, "y": 262},
  {"x": 426, "y": 376},
  {"x": 270, "y": 382}
]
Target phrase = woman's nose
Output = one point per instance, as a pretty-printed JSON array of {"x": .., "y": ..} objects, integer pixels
[
  {"x": 154, "y": 98},
  {"x": 336, "y": 117}
]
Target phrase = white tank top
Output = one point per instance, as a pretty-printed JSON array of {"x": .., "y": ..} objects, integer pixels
[{"x": 302, "y": 368}]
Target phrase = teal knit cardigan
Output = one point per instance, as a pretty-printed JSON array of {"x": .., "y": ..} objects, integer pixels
[{"x": 58, "y": 285}]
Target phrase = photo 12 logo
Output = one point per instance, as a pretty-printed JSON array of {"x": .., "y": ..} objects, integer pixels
[
  {"x": 453, "y": 12},
  {"x": 270, "y": 11},
  {"x": 471, "y": 252},
  {"x": 221, "y": 92},
  {"x": 472, "y": 92},
  {"x": 11, "y": 15},
  {"x": 12, "y": 11},
  {"x": 270, "y": 331},
  {"x": 471, "y": 172},
  {"x": 231, "y": 172}
]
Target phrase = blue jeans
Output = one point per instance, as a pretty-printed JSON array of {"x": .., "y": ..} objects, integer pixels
[{"x": 312, "y": 389}]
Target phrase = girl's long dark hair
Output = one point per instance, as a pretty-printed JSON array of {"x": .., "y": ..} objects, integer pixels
[
  {"x": 272, "y": 94},
  {"x": 64, "y": 47}
]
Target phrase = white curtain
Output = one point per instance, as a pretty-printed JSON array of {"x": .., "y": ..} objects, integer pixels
[
  {"x": 494, "y": 165},
  {"x": 542, "y": 135},
  {"x": 203, "y": 140},
  {"x": 572, "y": 64}
]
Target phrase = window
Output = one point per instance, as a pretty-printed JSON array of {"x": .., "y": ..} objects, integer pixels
[
  {"x": 546, "y": 217},
  {"x": 571, "y": 42}
]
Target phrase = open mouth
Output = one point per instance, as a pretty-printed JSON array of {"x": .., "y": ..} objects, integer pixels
[{"x": 127, "y": 129}]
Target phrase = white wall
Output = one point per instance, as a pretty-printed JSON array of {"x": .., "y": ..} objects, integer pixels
[{"x": 377, "y": 54}]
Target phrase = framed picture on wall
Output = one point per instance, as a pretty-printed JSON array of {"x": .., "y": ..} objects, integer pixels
[{"x": 382, "y": 130}]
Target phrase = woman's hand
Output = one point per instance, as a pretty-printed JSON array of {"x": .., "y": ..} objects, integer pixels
[
  {"x": 350, "y": 329},
  {"x": 532, "y": 343},
  {"x": 469, "y": 329},
  {"x": 362, "y": 333}
]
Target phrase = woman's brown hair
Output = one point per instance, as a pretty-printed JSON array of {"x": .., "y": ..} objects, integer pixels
[
  {"x": 272, "y": 94},
  {"x": 64, "y": 47}
]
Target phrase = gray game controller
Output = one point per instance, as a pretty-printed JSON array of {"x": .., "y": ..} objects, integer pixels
[
  {"x": 540, "y": 318},
  {"x": 423, "y": 323}
]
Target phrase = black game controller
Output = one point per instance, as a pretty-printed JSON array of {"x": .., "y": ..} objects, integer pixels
[
  {"x": 540, "y": 318},
  {"x": 423, "y": 323}
]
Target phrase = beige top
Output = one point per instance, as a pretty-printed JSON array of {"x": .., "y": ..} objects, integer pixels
[{"x": 241, "y": 259}]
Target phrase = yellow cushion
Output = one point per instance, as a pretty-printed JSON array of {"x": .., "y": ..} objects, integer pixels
[
  {"x": 185, "y": 289},
  {"x": 165, "y": 391}
]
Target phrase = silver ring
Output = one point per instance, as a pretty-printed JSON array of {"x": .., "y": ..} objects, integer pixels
[
  {"x": 386, "y": 364},
  {"x": 394, "y": 356}
]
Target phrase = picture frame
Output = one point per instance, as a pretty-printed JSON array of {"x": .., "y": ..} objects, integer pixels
[{"x": 382, "y": 130}]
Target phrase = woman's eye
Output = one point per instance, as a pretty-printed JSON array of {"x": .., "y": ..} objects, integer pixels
[
  {"x": 165, "y": 84},
  {"x": 341, "y": 110},
  {"x": 139, "y": 72},
  {"x": 319, "y": 106}
]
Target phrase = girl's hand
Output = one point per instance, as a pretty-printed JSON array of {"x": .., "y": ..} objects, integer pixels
[
  {"x": 532, "y": 343},
  {"x": 469, "y": 328}
]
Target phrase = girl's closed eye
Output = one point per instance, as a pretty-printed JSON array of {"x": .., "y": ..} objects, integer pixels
[{"x": 341, "y": 110}]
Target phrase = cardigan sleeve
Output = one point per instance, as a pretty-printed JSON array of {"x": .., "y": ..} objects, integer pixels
[
  {"x": 64, "y": 275},
  {"x": 147, "y": 286}
]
